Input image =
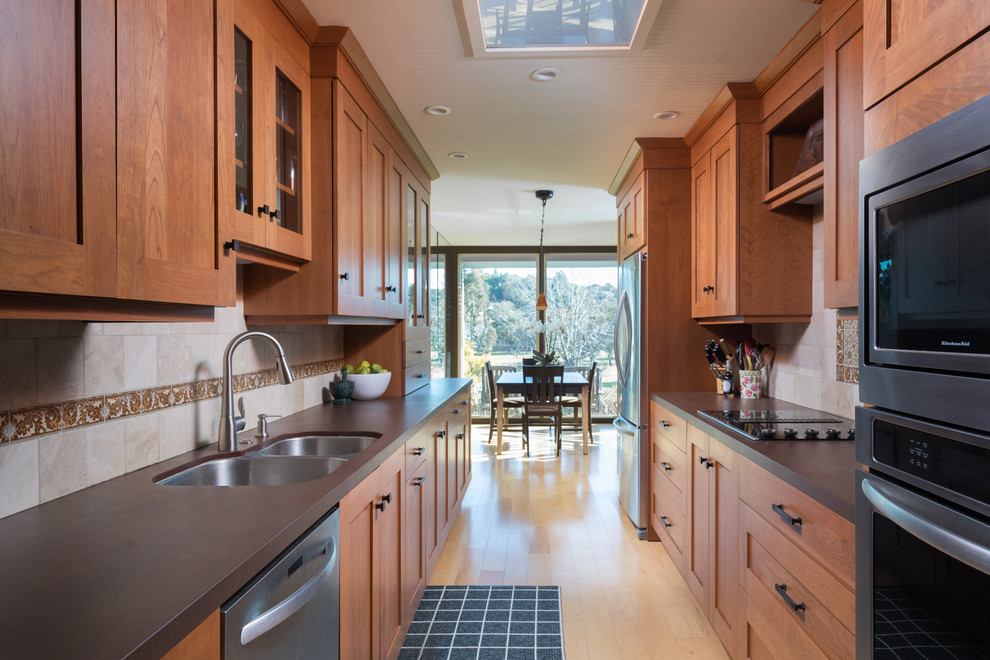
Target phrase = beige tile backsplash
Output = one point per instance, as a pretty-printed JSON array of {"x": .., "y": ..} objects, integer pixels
[
  {"x": 81, "y": 403},
  {"x": 808, "y": 369}
]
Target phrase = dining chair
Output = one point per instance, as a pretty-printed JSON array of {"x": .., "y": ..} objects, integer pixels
[
  {"x": 543, "y": 387},
  {"x": 574, "y": 402},
  {"x": 492, "y": 374}
]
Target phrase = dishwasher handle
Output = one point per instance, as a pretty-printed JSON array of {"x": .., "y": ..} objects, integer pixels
[{"x": 268, "y": 620}]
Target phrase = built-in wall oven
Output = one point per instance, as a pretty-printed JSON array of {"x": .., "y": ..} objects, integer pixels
[
  {"x": 922, "y": 540},
  {"x": 923, "y": 499}
]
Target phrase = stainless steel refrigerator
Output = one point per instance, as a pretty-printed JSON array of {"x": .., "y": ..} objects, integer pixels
[{"x": 630, "y": 360}]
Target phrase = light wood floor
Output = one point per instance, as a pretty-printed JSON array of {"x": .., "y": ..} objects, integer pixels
[{"x": 545, "y": 520}]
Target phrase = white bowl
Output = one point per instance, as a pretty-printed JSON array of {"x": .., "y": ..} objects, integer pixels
[{"x": 369, "y": 386}]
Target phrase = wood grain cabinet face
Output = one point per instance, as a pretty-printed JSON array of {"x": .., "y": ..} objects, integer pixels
[
  {"x": 632, "y": 219},
  {"x": 715, "y": 209},
  {"x": 843, "y": 46},
  {"x": 904, "y": 38},
  {"x": 113, "y": 190},
  {"x": 270, "y": 208},
  {"x": 371, "y": 557},
  {"x": 712, "y": 554}
]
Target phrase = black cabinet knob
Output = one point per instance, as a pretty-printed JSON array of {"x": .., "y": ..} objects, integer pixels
[{"x": 345, "y": 276}]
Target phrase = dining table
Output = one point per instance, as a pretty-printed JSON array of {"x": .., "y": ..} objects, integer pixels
[{"x": 511, "y": 383}]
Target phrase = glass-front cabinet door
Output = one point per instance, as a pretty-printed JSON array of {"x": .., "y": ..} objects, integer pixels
[
  {"x": 417, "y": 205},
  {"x": 271, "y": 110}
]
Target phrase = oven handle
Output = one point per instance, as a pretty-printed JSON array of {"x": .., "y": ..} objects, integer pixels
[{"x": 954, "y": 536}]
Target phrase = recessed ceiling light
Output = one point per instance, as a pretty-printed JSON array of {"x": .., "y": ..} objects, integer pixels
[
  {"x": 545, "y": 74},
  {"x": 437, "y": 110},
  {"x": 457, "y": 155},
  {"x": 667, "y": 114}
]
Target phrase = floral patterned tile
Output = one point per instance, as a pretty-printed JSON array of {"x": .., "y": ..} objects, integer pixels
[
  {"x": 182, "y": 393},
  {"x": 82, "y": 412},
  {"x": 123, "y": 404},
  {"x": 155, "y": 398},
  {"x": 7, "y": 428},
  {"x": 32, "y": 421}
]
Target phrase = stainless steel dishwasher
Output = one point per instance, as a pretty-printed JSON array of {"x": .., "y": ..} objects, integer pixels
[{"x": 291, "y": 609}]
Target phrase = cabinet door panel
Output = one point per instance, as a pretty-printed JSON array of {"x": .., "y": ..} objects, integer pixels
[
  {"x": 376, "y": 191},
  {"x": 166, "y": 151},
  {"x": 724, "y": 205},
  {"x": 350, "y": 149},
  {"x": 57, "y": 177},
  {"x": 697, "y": 550},
  {"x": 359, "y": 573},
  {"x": 390, "y": 547},
  {"x": 414, "y": 559},
  {"x": 395, "y": 228},
  {"x": 702, "y": 237}
]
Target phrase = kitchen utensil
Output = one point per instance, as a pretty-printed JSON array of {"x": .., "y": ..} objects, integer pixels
[{"x": 720, "y": 353}]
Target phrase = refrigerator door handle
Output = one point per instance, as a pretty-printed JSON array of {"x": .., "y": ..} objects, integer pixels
[
  {"x": 624, "y": 427},
  {"x": 621, "y": 365}
]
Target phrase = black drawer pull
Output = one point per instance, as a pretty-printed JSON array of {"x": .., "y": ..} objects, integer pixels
[
  {"x": 665, "y": 424},
  {"x": 787, "y": 518},
  {"x": 703, "y": 460},
  {"x": 345, "y": 276},
  {"x": 665, "y": 521},
  {"x": 782, "y": 590},
  {"x": 418, "y": 481},
  {"x": 386, "y": 499},
  {"x": 460, "y": 436},
  {"x": 420, "y": 352},
  {"x": 630, "y": 235},
  {"x": 441, "y": 434},
  {"x": 665, "y": 465},
  {"x": 455, "y": 411},
  {"x": 418, "y": 451},
  {"x": 420, "y": 375},
  {"x": 464, "y": 403},
  {"x": 390, "y": 289}
]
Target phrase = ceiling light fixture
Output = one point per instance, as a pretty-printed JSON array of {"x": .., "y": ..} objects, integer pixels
[
  {"x": 543, "y": 196},
  {"x": 667, "y": 114},
  {"x": 457, "y": 155},
  {"x": 437, "y": 110},
  {"x": 544, "y": 74}
]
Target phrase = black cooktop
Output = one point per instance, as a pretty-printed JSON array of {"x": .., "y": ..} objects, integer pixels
[{"x": 785, "y": 424}]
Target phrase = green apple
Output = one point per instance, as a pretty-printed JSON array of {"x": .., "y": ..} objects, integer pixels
[{"x": 376, "y": 368}]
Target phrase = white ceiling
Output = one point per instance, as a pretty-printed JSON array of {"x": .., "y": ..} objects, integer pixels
[{"x": 569, "y": 135}]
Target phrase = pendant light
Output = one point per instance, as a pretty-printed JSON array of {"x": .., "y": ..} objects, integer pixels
[{"x": 543, "y": 196}]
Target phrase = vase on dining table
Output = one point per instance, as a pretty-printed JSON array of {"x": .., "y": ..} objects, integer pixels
[{"x": 545, "y": 359}]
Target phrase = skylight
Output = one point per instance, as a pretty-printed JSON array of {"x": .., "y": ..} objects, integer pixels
[{"x": 558, "y": 27}]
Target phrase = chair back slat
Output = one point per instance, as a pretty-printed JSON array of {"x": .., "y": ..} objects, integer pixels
[{"x": 543, "y": 384}]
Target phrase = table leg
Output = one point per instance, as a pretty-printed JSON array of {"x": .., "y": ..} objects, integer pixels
[
  {"x": 585, "y": 415},
  {"x": 498, "y": 418}
]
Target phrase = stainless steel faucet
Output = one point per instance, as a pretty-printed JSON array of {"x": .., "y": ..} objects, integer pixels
[{"x": 230, "y": 424}]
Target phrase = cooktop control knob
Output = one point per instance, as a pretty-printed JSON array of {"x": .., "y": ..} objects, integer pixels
[
  {"x": 851, "y": 434},
  {"x": 767, "y": 434},
  {"x": 790, "y": 434},
  {"x": 811, "y": 434},
  {"x": 833, "y": 434}
]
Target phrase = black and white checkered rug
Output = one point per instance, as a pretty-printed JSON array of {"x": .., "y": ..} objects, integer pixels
[{"x": 486, "y": 623}]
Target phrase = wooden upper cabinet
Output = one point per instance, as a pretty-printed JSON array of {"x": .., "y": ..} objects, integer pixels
[
  {"x": 268, "y": 201},
  {"x": 111, "y": 192},
  {"x": 738, "y": 243},
  {"x": 843, "y": 150},
  {"x": 168, "y": 234},
  {"x": 904, "y": 38},
  {"x": 417, "y": 224},
  {"x": 632, "y": 220},
  {"x": 350, "y": 149},
  {"x": 57, "y": 217}
]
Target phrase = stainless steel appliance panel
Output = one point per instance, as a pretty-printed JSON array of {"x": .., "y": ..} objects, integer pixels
[
  {"x": 291, "y": 609},
  {"x": 630, "y": 357}
]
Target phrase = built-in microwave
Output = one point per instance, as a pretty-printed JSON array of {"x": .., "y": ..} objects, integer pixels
[{"x": 925, "y": 271}]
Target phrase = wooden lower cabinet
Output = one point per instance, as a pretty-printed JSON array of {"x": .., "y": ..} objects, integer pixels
[
  {"x": 203, "y": 643},
  {"x": 393, "y": 526},
  {"x": 771, "y": 567},
  {"x": 712, "y": 553},
  {"x": 371, "y": 552}
]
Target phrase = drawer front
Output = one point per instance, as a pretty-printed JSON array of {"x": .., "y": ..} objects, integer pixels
[
  {"x": 418, "y": 450},
  {"x": 669, "y": 469},
  {"x": 670, "y": 524},
  {"x": 828, "y": 615},
  {"x": 417, "y": 351},
  {"x": 821, "y": 533},
  {"x": 416, "y": 377},
  {"x": 769, "y": 636},
  {"x": 460, "y": 410},
  {"x": 668, "y": 425}
]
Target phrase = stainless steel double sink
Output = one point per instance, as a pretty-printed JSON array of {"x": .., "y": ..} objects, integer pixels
[{"x": 289, "y": 460}]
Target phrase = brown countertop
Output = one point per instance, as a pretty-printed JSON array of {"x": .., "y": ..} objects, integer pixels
[
  {"x": 129, "y": 567},
  {"x": 823, "y": 469}
]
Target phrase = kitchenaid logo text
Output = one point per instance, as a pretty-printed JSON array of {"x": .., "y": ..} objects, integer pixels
[{"x": 955, "y": 343}]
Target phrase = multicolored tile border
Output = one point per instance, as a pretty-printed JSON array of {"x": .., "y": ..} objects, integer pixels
[
  {"x": 847, "y": 350},
  {"x": 39, "y": 420}
]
